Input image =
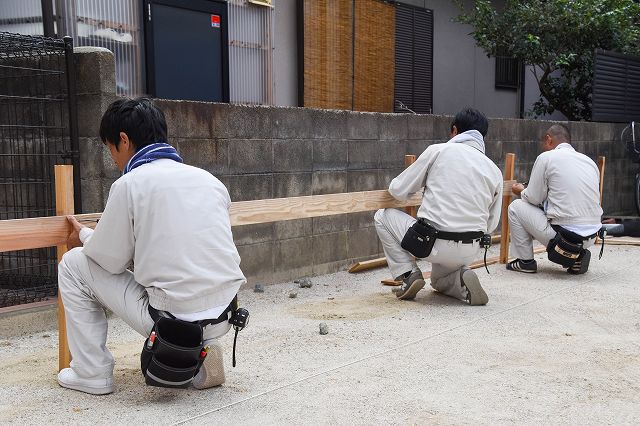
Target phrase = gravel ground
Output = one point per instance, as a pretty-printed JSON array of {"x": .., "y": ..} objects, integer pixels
[{"x": 548, "y": 348}]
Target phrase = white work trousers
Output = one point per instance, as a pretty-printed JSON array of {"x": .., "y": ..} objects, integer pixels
[
  {"x": 448, "y": 258},
  {"x": 528, "y": 223},
  {"x": 86, "y": 291}
]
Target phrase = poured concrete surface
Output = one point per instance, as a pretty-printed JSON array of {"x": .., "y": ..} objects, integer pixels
[{"x": 549, "y": 348}]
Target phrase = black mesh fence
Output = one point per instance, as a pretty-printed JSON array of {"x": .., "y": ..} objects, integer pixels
[{"x": 37, "y": 104}]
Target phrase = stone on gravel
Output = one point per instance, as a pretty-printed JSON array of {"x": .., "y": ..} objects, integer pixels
[
  {"x": 304, "y": 282},
  {"x": 324, "y": 328},
  {"x": 293, "y": 295},
  {"x": 259, "y": 288}
]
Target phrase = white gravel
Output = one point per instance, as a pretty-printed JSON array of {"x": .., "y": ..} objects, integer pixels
[{"x": 549, "y": 348}]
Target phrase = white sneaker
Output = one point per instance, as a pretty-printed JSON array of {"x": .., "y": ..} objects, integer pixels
[
  {"x": 476, "y": 294},
  {"x": 212, "y": 371},
  {"x": 67, "y": 378}
]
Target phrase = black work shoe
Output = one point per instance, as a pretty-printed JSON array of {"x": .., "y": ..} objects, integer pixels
[
  {"x": 519, "y": 266},
  {"x": 411, "y": 285},
  {"x": 582, "y": 264},
  {"x": 476, "y": 294}
]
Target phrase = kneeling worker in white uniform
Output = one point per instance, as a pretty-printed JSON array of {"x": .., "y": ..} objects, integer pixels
[
  {"x": 172, "y": 221},
  {"x": 461, "y": 204},
  {"x": 561, "y": 205}
]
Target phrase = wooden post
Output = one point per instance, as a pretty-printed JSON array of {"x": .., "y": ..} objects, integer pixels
[
  {"x": 601, "y": 162},
  {"x": 64, "y": 206},
  {"x": 509, "y": 171},
  {"x": 409, "y": 160}
]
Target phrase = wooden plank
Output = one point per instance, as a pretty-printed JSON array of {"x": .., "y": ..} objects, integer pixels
[
  {"x": 409, "y": 160},
  {"x": 368, "y": 264},
  {"x": 64, "y": 206},
  {"x": 20, "y": 234},
  {"x": 601, "y": 163},
  {"x": 509, "y": 172}
]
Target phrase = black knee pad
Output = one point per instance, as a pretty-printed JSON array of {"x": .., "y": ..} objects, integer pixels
[{"x": 582, "y": 264}]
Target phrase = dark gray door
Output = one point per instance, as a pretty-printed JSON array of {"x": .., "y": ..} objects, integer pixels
[{"x": 186, "y": 50}]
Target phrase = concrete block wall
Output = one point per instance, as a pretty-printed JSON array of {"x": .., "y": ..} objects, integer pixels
[{"x": 267, "y": 152}]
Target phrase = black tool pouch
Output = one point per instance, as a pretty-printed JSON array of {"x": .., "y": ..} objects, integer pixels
[
  {"x": 172, "y": 354},
  {"x": 562, "y": 251},
  {"x": 419, "y": 239}
]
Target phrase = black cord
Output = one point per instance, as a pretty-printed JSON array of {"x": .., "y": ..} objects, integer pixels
[
  {"x": 602, "y": 233},
  {"x": 486, "y": 249},
  {"x": 234, "y": 345}
]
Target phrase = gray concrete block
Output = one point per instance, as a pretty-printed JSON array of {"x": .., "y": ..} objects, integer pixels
[
  {"x": 392, "y": 153},
  {"x": 363, "y": 154},
  {"x": 95, "y": 70},
  {"x": 249, "y": 187},
  {"x": 250, "y": 156},
  {"x": 503, "y": 129},
  {"x": 417, "y": 147},
  {"x": 292, "y": 229},
  {"x": 442, "y": 127},
  {"x": 243, "y": 121},
  {"x": 109, "y": 167},
  {"x": 90, "y": 111},
  {"x": 360, "y": 220},
  {"x": 93, "y": 197},
  {"x": 91, "y": 158},
  {"x": 327, "y": 124},
  {"x": 328, "y": 224},
  {"x": 419, "y": 127},
  {"x": 331, "y": 267},
  {"x": 329, "y": 247},
  {"x": 256, "y": 260},
  {"x": 252, "y": 234},
  {"x": 362, "y": 125},
  {"x": 291, "y": 184},
  {"x": 330, "y": 154},
  {"x": 296, "y": 253},
  {"x": 289, "y": 123},
  {"x": 329, "y": 182},
  {"x": 208, "y": 154},
  {"x": 292, "y": 155},
  {"x": 392, "y": 127},
  {"x": 386, "y": 176},
  {"x": 362, "y": 243},
  {"x": 363, "y": 180},
  {"x": 189, "y": 119}
]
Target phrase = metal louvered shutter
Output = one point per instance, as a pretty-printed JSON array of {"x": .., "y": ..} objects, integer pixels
[
  {"x": 414, "y": 60},
  {"x": 616, "y": 87}
]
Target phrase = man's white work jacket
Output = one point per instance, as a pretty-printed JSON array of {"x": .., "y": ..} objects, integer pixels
[
  {"x": 569, "y": 182},
  {"x": 173, "y": 221},
  {"x": 463, "y": 188}
]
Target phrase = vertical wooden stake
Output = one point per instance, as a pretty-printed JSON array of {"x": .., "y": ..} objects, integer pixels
[
  {"x": 64, "y": 206},
  {"x": 601, "y": 162},
  {"x": 409, "y": 160},
  {"x": 509, "y": 171}
]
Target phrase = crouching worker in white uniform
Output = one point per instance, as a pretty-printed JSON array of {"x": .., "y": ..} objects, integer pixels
[
  {"x": 461, "y": 203},
  {"x": 561, "y": 205},
  {"x": 172, "y": 221}
]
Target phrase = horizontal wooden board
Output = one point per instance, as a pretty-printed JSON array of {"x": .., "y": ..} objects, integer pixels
[{"x": 21, "y": 234}]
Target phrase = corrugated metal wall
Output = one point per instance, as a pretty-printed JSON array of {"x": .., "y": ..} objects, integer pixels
[
  {"x": 250, "y": 53},
  {"x": 113, "y": 24},
  {"x": 21, "y": 17}
]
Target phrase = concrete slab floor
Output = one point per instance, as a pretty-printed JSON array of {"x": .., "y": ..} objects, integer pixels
[{"x": 548, "y": 348}]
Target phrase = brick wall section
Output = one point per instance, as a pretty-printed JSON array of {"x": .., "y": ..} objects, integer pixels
[{"x": 268, "y": 152}]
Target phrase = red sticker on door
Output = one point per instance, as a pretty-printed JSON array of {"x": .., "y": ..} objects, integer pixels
[{"x": 215, "y": 21}]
